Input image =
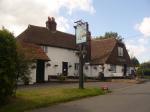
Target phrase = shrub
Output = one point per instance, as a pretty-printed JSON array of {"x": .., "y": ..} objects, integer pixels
[
  {"x": 139, "y": 71},
  {"x": 61, "y": 77},
  {"x": 146, "y": 71},
  {"x": 8, "y": 65},
  {"x": 13, "y": 66}
]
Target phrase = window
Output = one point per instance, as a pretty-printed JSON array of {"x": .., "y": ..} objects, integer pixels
[
  {"x": 120, "y": 51},
  {"x": 45, "y": 48},
  {"x": 113, "y": 68},
  {"x": 76, "y": 66}
]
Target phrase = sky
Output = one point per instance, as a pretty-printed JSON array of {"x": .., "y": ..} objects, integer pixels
[{"x": 129, "y": 18}]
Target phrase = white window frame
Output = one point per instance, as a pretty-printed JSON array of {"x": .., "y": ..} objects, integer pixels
[
  {"x": 45, "y": 48},
  {"x": 120, "y": 51}
]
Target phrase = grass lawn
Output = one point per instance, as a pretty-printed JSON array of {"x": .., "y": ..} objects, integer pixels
[
  {"x": 34, "y": 98},
  {"x": 146, "y": 76}
]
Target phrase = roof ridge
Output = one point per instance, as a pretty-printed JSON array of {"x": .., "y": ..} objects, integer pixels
[
  {"x": 46, "y": 28},
  {"x": 35, "y": 26},
  {"x": 100, "y": 39}
]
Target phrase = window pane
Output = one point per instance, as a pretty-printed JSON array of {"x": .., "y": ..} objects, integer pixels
[
  {"x": 113, "y": 68},
  {"x": 76, "y": 66},
  {"x": 120, "y": 51}
]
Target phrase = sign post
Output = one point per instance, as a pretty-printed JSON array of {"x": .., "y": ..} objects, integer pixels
[{"x": 81, "y": 31}]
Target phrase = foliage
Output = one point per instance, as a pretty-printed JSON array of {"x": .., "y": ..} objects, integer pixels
[
  {"x": 8, "y": 65},
  {"x": 135, "y": 61},
  {"x": 111, "y": 35},
  {"x": 23, "y": 66},
  {"x": 61, "y": 77},
  {"x": 139, "y": 72},
  {"x": 12, "y": 65},
  {"x": 146, "y": 65},
  {"x": 144, "y": 69},
  {"x": 35, "y": 98}
]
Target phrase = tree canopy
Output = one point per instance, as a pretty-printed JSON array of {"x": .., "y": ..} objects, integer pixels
[
  {"x": 111, "y": 35},
  {"x": 12, "y": 65},
  {"x": 8, "y": 65},
  {"x": 135, "y": 61}
]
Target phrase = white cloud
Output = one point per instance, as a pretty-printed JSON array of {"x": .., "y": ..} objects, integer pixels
[
  {"x": 63, "y": 23},
  {"x": 72, "y": 5},
  {"x": 18, "y": 14},
  {"x": 138, "y": 48},
  {"x": 144, "y": 27}
]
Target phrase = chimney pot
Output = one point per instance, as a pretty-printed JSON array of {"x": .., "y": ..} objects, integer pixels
[{"x": 51, "y": 24}]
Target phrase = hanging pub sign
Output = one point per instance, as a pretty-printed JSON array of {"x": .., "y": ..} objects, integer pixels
[{"x": 81, "y": 32}]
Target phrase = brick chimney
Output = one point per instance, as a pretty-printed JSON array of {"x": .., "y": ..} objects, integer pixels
[{"x": 51, "y": 24}]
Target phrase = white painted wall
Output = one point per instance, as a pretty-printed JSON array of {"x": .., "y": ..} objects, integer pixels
[
  {"x": 33, "y": 74},
  {"x": 92, "y": 70},
  {"x": 57, "y": 56},
  {"x": 118, "y": 73}
]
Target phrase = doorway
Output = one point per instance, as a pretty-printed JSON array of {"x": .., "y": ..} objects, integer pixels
[
  {"x": 125, "y": 70},
  {"x": 65, "y": 68},
  {"x": 40, "y": 71}
]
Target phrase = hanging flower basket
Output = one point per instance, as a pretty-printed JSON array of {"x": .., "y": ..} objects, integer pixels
[
  {"x": 70, "y": 66},
  {"x": 55, "y": 65},
  {"x": 48, "y": 64}
]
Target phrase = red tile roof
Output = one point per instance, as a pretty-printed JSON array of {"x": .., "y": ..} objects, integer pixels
[
  {"x": 106, "y": 51},
  {"x": 101, "y": 49},
  {"x": 33, "y": 51}
]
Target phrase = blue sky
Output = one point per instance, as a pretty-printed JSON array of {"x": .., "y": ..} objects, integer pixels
[
  {"x": 114, "y": 15},
  {"x": 129, "y": 18}
]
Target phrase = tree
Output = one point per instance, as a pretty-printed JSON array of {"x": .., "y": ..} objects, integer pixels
[
  {"x": 8, "y": 66},
  {"x": 146, "y": 68},
  {"x": 135, "y": 61},
  {"x": 12, "y": 65},
  {"x": 111, "y": 35},
  {"x": 23, "y": 66}
]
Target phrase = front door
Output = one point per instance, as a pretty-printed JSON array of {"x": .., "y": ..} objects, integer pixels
[
  {"x": 125, "y": 70},
  {"x": 65, "y": 68},
  {"x": 40, "y": 71}
]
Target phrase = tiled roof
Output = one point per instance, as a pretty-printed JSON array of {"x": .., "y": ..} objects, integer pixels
[
  {"x": 44, "y": 36},
  {"x": 33, "y": 51},
  {"x": 101, "y": 49},
  {"x": 106, "y": 51}
]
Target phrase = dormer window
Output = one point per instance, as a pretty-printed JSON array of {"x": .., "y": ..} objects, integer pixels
[{"x": 120, "y": 51}]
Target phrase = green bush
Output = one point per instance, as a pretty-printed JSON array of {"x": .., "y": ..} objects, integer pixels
[
  {"x": 146, "y": 71},
  {"x": 13, "y": 66},
  {"x": 139, "y": 71},
  {"x": 143, "y": 71},
  {"x": 8, "y": 65},
  {"x": 61, "y": 77}
]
